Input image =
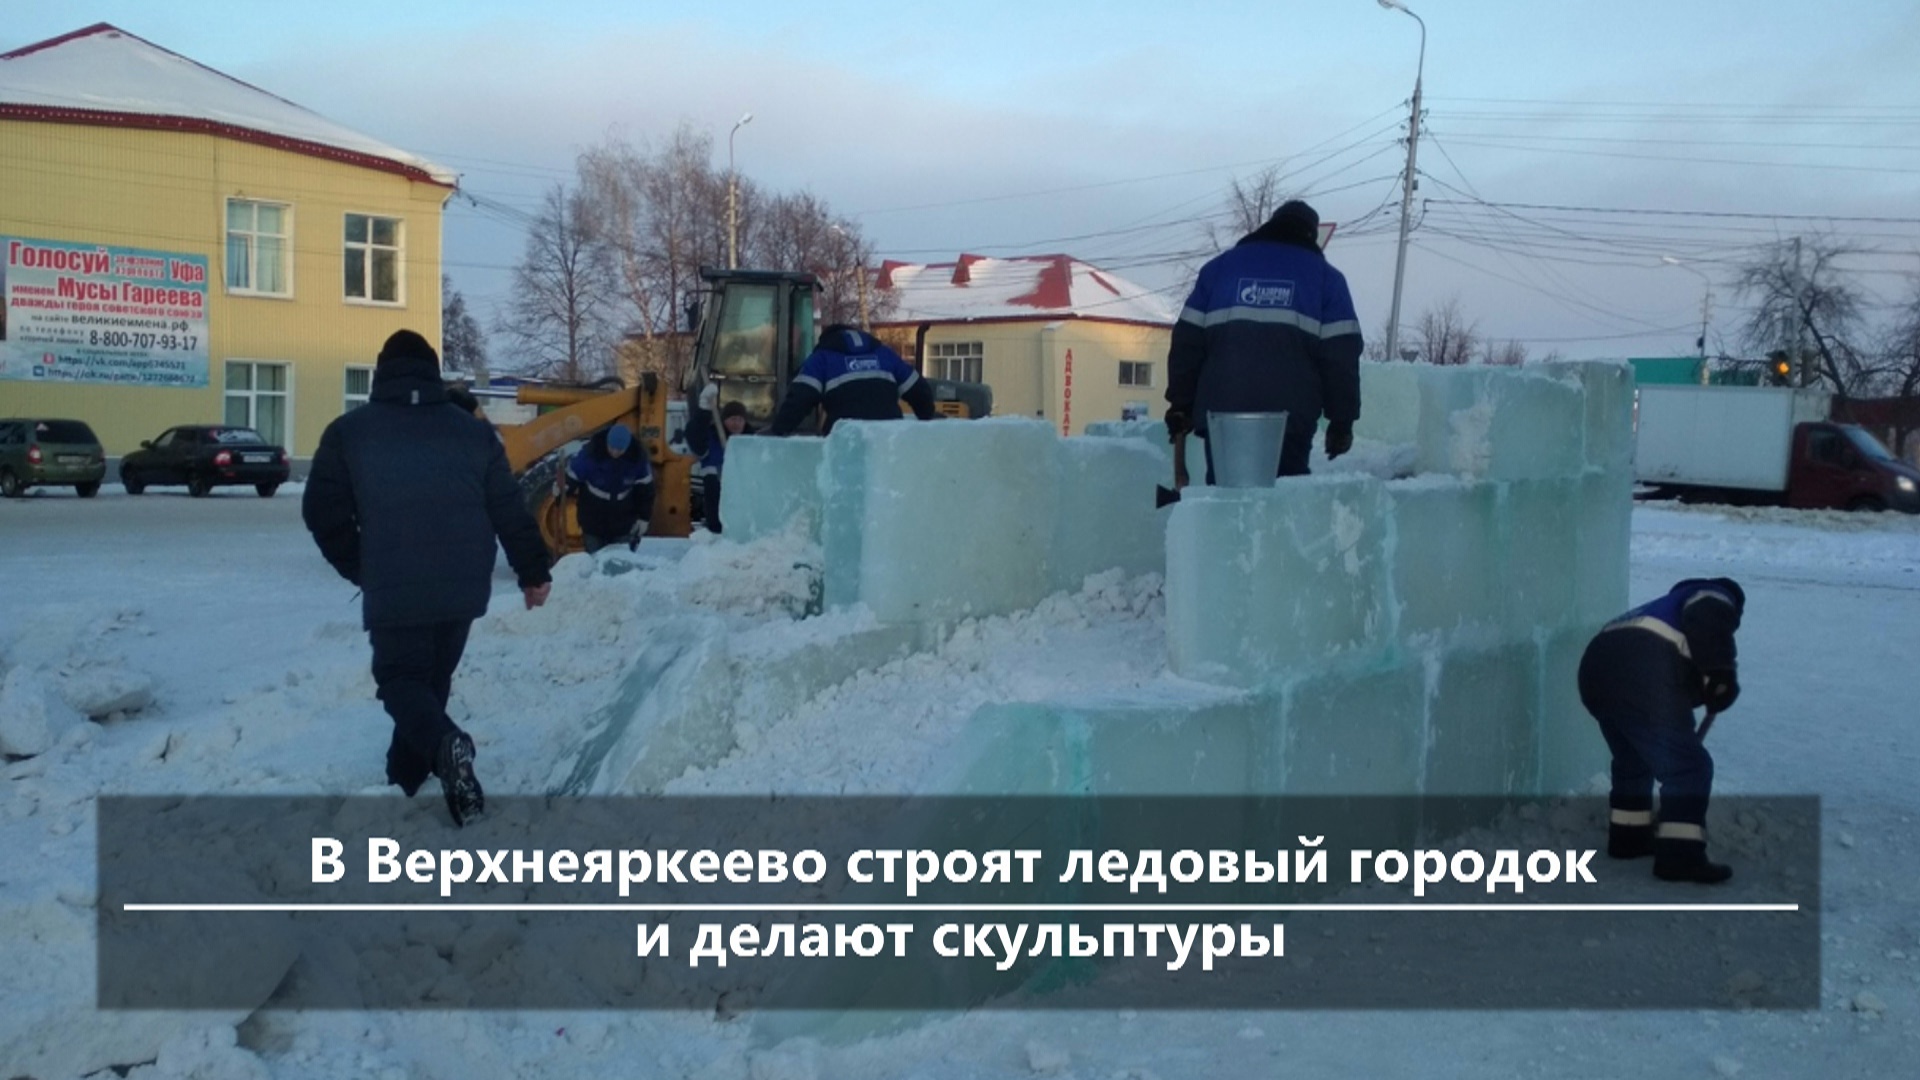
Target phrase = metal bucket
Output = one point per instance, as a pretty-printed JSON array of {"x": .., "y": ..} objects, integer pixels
[{"x": 1246, "y": 447}]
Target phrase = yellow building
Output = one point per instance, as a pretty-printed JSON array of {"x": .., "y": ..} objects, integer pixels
[
  {"x": 1054, "y": 337},
  {"x": 180, "y": 247}
]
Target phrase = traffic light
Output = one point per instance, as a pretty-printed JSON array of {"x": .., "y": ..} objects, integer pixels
[{"x": 1779, "y": 369}]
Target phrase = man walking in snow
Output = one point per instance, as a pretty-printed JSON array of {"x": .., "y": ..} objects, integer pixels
[
  {"x": 406, "y": 499},
  {"x": 1641, "y": 678},
  {"x": 1269, "y": 327}
]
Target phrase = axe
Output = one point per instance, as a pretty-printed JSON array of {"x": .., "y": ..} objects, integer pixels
[{"x": 1164, "y": 497}]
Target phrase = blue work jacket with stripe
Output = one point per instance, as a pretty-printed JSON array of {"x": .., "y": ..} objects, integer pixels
[
  {"x": 1698, "y": 617},
  {"x": 852, "y": 376},
  {"x": 1269, "y": 327}
]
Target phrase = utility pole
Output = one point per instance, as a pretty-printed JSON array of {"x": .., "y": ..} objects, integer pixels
[
  {"x": 1706, "y": 308},
  {"x": 860, "y": 269},
  {"x": 733, "y": 194},
  {"x": 1799, "y": 318},
  {"x": 1406, "y": 190}
]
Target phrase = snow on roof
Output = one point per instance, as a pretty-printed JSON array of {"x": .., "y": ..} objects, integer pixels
[
  {"x": 1023, "y": 287},
  {"x": 106, "y": 76}
]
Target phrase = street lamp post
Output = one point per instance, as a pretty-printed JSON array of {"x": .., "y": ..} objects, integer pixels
[
  {"x": 733, "y": 197},
  {"x": 1706, "y": 308},
  {"x": 1406, "y": 191},
  {"x": 860, "y": 269}
]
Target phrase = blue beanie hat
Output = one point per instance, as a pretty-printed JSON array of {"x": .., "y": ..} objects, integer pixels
[{"x": 619, "y": 438}]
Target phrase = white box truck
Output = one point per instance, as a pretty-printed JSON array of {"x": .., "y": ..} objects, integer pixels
[{"x": 1763, "y": 444}]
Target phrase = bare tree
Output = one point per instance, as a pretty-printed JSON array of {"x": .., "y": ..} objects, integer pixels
[
  {"x": 1803, "y": 298},
  {"x": 558, "y": 318},
  {"x": 1250, "y": 202},
  {"x": 659, "y": 215},
  {"x": 463, "y": 345},
  {"x": 1446, "y": 335},
  {"x": 1375, "y": 347},
  {"x": 1509, "y": 353},
  {"x": 800, "y": 232},
  {"x": 1900, "y": 374},
  {"x": 1899, "y": 370}
]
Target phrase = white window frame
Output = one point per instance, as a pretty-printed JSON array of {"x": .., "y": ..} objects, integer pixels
[
  {"x": 348, "y": 399},
  {"x": 951, "y": 360},
  {"x": 253, "y": 395},
  {"x": 399, "y": 250},
  {"x": 1136, "y": 367},
  {"x": 286, "y": 248}
]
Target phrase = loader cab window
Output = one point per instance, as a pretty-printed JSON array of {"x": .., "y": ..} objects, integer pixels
[
  {"x": 803, "y": 328},
  {"x": 748, "y": 333}
]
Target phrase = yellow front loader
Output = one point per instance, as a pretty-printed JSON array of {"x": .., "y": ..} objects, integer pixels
[{"x": 536, "y": 452}]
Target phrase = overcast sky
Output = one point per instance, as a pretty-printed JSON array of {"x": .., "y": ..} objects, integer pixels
[{"x": 1111, "y": 130}]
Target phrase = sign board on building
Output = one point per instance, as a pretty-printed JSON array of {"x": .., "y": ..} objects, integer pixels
[
  {"x": 90, "y": 313},
  {"x": 1666, "y": 370},
  {"x": 1066, "y": 398}
]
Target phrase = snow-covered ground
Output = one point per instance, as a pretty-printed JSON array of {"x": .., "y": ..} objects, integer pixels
[{"x": 238, "y": 665}]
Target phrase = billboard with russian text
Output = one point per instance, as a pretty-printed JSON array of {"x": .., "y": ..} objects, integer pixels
[{"x": 92, "y": 313}]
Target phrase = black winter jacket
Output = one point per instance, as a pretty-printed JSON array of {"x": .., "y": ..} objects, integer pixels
[{"x": 406, "y": 498}]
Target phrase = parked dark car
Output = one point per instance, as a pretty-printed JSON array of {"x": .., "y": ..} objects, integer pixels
[
  {"x": 203, "y": 458},
  {"x": 50, "y": 453}
]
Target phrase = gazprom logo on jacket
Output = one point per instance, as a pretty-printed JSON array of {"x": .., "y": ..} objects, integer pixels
[
  {"x": 863, "y": 363},
  {"x": 1266, "y": 292}
]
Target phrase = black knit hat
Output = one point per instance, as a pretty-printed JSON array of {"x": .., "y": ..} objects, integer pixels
[
  {"x": 1297, "y": 221},
  {"x": 732, "y": 409},
  {"x": 1293, "y": 210},
  {"x": 406, "y": 348}
]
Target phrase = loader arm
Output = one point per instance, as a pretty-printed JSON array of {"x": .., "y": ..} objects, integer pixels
[{"x": 579, "y": 413}]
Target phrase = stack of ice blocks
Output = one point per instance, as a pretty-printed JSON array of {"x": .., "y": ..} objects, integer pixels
[{"x": 1401, "y": 636}]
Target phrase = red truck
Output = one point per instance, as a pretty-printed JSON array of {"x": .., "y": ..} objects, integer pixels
[{"x": 1767, "y": 445}]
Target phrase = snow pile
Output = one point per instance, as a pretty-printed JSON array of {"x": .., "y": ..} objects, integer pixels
[
  {"x": 774, "y": 575},
  {"x": 32, "y": 717},
  {"x": 882, "y": 730}
]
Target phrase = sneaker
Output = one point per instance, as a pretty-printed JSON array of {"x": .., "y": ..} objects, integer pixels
[{"x": 465, "y": 801}]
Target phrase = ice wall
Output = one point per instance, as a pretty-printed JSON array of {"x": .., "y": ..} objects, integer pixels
[
  {"x": 976, "y": 517},
  {"x": 1344, "y": 634},
  {"x": 1458, "y": 598},
  {"x": 1470, "y": 588}
]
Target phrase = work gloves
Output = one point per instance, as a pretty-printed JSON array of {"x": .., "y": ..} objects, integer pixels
[
  {"x": 709, "y": 396},
  {"x": 1339, "y": 438},
  {"x": 1179, "y": 424},
  {"x": 1721, "y": 690}
]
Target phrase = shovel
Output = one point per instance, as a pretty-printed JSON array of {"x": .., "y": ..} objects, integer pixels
[
  {"x": 1706, "y": 724},
  {"x": 1164, "y": 497}
]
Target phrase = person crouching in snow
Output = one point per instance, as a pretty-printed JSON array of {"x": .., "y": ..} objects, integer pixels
[
  {"x": 703, "y": 439},
  {"x": 1641, "y": 678},
  {"x": 612, "y": 486}
]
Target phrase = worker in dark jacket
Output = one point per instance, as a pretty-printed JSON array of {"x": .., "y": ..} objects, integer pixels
[
  {"x": 853, "y": 377},
  {"x": 704, "y": 438},
  {"x": 612, "y": 485},
  {"x": 1641, "y": 678},
  {"x": 407, "y": 499},
  {"x": 1269, "y": 327}
]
